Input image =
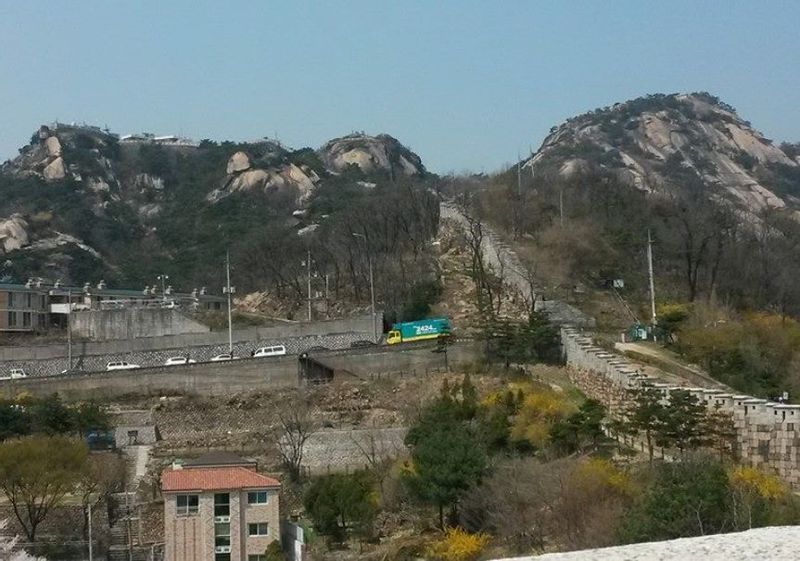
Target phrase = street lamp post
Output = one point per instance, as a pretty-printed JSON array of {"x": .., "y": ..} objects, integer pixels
[
  {"x": 163, "y": 279},
  {"x": 371, "y": 287},
  {"x": 69, "y": 329},
  {"x": 229, "y": 290},
  {"x": 308, "y": 279}
]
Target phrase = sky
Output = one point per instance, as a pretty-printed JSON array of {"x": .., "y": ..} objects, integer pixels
[{"x": 467, "y": 85}]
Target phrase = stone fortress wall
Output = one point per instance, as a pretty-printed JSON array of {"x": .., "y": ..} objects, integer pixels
[{"x": 767, "y": 433}]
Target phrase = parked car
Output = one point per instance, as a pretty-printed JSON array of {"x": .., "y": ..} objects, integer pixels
[
  {"x": 223, "y": 357},
  {"x": 179, "y": 360},
  {"x": 121, "y": 365},
  {"x": 361, "y": 344},
  {"x": 276, "y": 350},
  {"x": 15, "y": 374}
]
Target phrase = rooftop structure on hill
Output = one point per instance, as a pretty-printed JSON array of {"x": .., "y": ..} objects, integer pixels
[{"x": 37, "y": 305}]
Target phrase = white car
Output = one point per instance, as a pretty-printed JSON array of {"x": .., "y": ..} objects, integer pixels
[
  {"x": 179, "y": 360},
  {"x": 121, "y": 365},
  {"x": 277, "y": 350},
  {"x": 15, "y": 374},
  {"x": 223, "y": 357}
]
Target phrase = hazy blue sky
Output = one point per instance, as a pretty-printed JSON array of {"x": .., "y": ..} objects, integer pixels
[{"x": 465, "y": 84}]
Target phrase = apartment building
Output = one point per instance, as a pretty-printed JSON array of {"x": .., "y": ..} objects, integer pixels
[
  {"x": 218, "y": 508},
  {"x": 23, "y": 308}
]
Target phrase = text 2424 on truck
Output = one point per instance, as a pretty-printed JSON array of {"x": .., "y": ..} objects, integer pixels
[{"x": 418, "y": 330}]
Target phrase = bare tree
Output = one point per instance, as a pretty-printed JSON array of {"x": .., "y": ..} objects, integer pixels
[
  {"x": 103, "y": 475},
  {"x": 478, "y": 267},
  {"x": 296, "y": 423},
  {"x": 379, "y": 451}
]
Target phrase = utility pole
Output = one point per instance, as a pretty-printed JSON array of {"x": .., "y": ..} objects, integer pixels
[
  {"x": 371, "y": 287},
  {"x": 69, "y": 329},
  {"x": 90, "y": 528},
  {"x": 308, "y": 277},
  {"x": 229, "y": 290},
  {"x": 372, "y": 297},
  {"x": 518, "y": 205},
  {"x": 652, "y": 282}
]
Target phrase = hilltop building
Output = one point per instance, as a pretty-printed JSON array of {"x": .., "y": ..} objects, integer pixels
[{"x": 35, "y": 306}]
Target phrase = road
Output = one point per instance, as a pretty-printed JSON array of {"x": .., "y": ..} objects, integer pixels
[
  {"x": 495, "y": 252},
  {"x": 91, "y": 363},
  {"x": 498, "y": 255}
]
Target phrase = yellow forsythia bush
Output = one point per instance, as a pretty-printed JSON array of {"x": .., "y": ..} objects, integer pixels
[
  {"x": 750, "y": 480},
  {"x": 458, "y": 545}
]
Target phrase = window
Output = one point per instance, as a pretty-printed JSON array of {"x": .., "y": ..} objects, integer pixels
[
  {"x": 44, "y": 301},
  {"x": 222, "y": 535},
  {"x": 222, "y": 504},
  {"x": 222, "y": 557},
  {"x": 257, "y": 498},
  {"x": 30, "y": 296},
  {"x": 256, "y": 558},
  {"x": 10, "y": 299},
  {"x": 258, "y": 529},
  {"x": 12, "y": 319},
  {"x": 188, "y": 504},
  {"x": 26, "y": 319}
]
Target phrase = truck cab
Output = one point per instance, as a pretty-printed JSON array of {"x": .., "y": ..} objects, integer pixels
[{"x": 394, "y": 337}]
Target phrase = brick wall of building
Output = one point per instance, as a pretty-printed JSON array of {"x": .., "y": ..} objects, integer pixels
[{"x": 191, "y": 537}]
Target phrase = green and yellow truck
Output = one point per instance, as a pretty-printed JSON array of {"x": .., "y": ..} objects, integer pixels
[{"x": 418, "y": 330}]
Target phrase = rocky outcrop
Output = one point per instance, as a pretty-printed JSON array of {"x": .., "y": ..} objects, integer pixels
[
  {"x": 371, "y": 154},
  {"x": 53, "y": 146},
  {"x": 241, "y": 177},
  {"x": 144, "y": 182},
  {"x": 59, "y": 240},
  {"x": 13, "y": 233},
  {"x": 251, "y": 179},
  {"x": 55, "y": 170},
  {"x": 239, "y": 161},
  {"x": 649, "y": 142}
]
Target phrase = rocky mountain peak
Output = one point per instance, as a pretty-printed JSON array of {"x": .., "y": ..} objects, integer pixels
[
  {"x": 371, "y": 153},
  {"x": 655, "y": 141}
]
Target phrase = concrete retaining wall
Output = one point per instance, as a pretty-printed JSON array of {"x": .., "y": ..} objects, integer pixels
[
  {"x": 361, "y": 324},
  {"x": 226, "y": 378},
  {"x": 202, "y": 378},
  {"x": 132, "y": 323},
  {"x": 157, "y": 358},
  {"x": 767, "y": 433},
  {"x": 400, "y": 360}
]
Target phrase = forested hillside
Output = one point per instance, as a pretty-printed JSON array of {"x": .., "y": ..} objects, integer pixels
[
  {"x": 80, "y": 205},
  {"x": 722, "y": 210}
]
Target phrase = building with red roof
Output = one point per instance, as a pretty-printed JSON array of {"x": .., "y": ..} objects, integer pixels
[{"x": 219, "y": 508}]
